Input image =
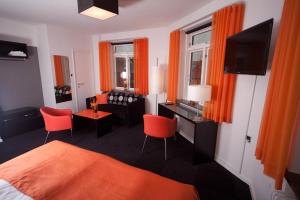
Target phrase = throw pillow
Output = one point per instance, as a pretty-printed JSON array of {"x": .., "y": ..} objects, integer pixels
[{"x": 101, "y": 98}]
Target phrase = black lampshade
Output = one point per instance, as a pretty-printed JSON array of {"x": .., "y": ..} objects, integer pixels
[{"x": 100, "y": 9}]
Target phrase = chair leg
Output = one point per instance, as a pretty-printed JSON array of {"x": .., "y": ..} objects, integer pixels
[
  {"x": 144, "y": 143},
  {"x": 165, "y": 148},
  {"x": 71, "y": 133},
  {"x": 47, "y": 137}
]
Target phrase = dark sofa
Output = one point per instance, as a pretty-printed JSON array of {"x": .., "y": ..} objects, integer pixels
[{"x": 127, "y": 108}]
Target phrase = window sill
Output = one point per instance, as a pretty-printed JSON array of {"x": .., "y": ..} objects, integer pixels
[{"x": 123, "y": 89}]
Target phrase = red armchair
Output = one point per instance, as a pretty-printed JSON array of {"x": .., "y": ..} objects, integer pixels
[
  {"x": 56, "y": 120},
  {"x": 159, "y": 127}
]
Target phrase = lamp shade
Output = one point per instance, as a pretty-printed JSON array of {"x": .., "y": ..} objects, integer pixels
[
  {"x": 157, "y": 80},
  {"x": 100, "y": 9},
  {"x": 200, "y": 93}
]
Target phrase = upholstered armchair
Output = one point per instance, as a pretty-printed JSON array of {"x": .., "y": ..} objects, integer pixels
[
  {"x": 56, "y": 120},
  {"x": 159, "y": 127}
]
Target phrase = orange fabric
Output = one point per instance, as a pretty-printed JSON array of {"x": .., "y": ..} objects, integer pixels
[
  {"x": 89, "y": 113},
  {"x": 101, "y": 98},
  {"x": 158, "y": 126},
  {"x": 104, "y": 64},
  {"x": 225, "y": 23},
  {"x": 173, "y": 66},
  {"x": 57, "y": 119},
  {"x": 62, "y": 171},
  {"x": 58, "y": 71},
  {"x": 141, "y": 66},
  {"x": 283, "y": 96}
]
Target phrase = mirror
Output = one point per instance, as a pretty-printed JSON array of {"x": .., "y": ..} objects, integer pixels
[{"x": 62, "y": 79}]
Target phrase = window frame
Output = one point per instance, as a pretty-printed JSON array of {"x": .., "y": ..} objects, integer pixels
[
  {"x": 189, "y": 49},
  {"x": 205, "y": 51},
  {"x": 190, "y": 35},
  {"x": 127, "y": 56}
]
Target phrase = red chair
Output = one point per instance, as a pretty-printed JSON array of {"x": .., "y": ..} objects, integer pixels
[
  {"x": 57, "y": 120},
  {"x": 159, "y": 127}
]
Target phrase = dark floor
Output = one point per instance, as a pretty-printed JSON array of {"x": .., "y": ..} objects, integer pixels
[{"x": 212, "y": 180}]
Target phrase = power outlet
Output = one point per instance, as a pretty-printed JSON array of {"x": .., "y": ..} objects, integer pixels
[{"x": 248, "y": 138}]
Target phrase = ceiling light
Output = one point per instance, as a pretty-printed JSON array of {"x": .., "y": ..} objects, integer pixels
[{"x": 100, "y": 9}]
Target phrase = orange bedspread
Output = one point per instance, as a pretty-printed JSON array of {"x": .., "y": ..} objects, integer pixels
[{"x": 61, "y": 171}]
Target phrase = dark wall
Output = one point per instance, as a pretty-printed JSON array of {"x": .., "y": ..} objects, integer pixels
[{"x": 20, "y": 82}]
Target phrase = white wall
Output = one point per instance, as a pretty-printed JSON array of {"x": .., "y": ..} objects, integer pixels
[
  {"x": 294, "y": 164},
  {"x": 18, "y": 32},
  {"x": 35, "y": 35},
  {"x": 62, "y": 42},
  {"x": 95, "y": 40},
  {"x": 158, "y": 48},
  {"x": 49, "y": 40},
  {"x": 231, "y": 137},
  {"x": 45, "y": 65},
  {"x": 263, "y": 186}
]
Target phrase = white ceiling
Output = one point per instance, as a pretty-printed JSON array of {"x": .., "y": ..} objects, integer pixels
[{"x": 133, "y": 14}]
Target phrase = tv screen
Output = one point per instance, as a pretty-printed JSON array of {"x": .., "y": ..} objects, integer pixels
[{"x": 247, "y": 52}]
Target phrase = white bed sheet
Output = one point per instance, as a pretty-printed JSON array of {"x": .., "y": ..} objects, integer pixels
[{"x": 9, "y": 192}]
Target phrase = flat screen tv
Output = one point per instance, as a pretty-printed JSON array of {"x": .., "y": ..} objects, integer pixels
[{"x": 247, "y": 52}]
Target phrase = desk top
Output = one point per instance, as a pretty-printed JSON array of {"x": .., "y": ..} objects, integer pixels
[{"x": 185, "y": 113}]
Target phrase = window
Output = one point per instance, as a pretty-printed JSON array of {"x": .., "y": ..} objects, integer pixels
[
  {"x": 124, "y": 67},
  {"x": 197, "y": 54},
  {"x": 197, "y": 49}
]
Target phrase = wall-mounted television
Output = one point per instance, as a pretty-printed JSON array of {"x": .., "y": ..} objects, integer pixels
[{"x": 247, "y": 52}]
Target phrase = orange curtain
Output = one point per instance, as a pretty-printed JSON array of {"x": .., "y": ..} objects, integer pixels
[
  {"x": 276, "y": 131},
  {"x": 58, "y": 71},
  {"x": 104, "y": 64},
  {"x": 174, "y": 50},
  {"x": 225, "y": 23},
  {"x": 141, "y": 66}
]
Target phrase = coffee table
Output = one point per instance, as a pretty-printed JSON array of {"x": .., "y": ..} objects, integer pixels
[{"x": 102, "y": 121}]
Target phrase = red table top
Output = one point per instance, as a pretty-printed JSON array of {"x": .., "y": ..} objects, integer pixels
[{"x": 88, "y": 113}]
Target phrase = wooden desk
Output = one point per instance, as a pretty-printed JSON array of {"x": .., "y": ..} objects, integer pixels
[{"x": 205, "y": 131}]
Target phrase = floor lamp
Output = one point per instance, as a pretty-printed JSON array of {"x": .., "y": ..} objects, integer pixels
[{"x": 157, "y": 83}]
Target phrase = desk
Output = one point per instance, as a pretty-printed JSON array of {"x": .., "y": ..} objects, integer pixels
[{"x": 205, "y": 131}]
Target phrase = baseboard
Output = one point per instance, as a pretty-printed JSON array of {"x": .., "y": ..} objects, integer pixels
[{"x": 237, "y": 174}]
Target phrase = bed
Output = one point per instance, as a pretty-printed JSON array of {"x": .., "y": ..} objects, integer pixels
[{"x": 62, "y": 171}]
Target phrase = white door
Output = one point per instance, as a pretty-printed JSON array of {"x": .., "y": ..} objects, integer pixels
[{"x": 84, "y": 77}]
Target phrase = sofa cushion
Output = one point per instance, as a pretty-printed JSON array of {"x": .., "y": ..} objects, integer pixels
[
  {"x": 101, "y": 98},
  {"x": 122, "y": 98}
]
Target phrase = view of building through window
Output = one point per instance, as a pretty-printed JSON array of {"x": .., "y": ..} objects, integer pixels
[
  {"x": 124, "y": 66},
  {"x": 197, "y": 52}
]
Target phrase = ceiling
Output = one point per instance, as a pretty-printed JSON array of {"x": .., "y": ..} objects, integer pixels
[{"x": 133, "y": 14}]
